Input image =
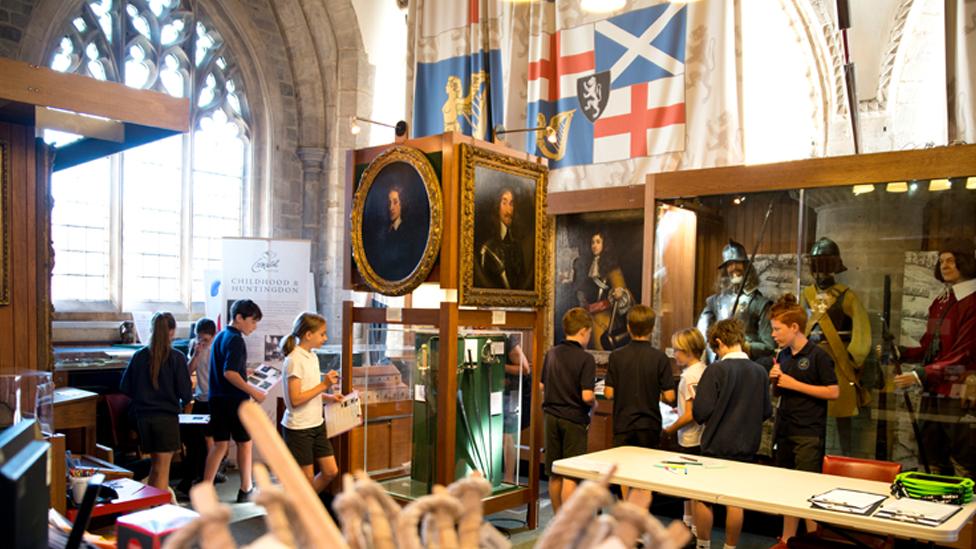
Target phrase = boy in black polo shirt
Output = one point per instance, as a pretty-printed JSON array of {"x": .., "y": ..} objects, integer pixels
[
  {"x": 568, "y": 377},
  {"x": 803, "y": 376},
  {"x": 637, "y": 376},
  {"x": 228, "y": 389}
]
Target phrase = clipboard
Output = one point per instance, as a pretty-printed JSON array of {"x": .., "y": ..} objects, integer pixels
[
  {"x": 916, "y": 511},
  {"x": 843, "y": 500},
  {"x": 344, "y": 416}
]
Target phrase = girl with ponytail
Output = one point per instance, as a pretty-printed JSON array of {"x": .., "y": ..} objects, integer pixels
[
  {"x": 305, "y": 389},
  {"x": 158, "y": 382}
]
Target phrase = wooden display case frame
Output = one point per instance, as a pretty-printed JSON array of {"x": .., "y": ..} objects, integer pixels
[{"x": 449, "y": 318}]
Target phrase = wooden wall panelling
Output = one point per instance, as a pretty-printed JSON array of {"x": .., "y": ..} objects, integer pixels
[
  {"x": 44, "y": 255},
  {"x": 378, "y": 438},
  {"x": 401, "y": 441},
  {"x": 677, "y": 255},
  {"x": 600, "y": 435},
  {"x": 18, "y": 320}
]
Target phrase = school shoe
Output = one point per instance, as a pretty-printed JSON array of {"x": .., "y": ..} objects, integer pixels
[
  {"x": 244, "y": 497},
  {"x": 220, "y": 478}
]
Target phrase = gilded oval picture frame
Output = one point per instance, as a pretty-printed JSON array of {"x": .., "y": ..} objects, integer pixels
[{"x": 397, "y": 221}]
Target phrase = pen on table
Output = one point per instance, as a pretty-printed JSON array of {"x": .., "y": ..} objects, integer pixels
[
  {"x": 683, "y": 463},
  {"x": 688, "y": 458}
]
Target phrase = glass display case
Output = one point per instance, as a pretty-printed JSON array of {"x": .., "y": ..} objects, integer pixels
[
  {"x": 884, "y": 267},
  {"x": 418, "y": 387}
]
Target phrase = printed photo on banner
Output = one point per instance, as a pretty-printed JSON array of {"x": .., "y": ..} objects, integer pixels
[
  {"x": 397, "y": 221},
  {"x": 503, "y": 229},
  {"x": 598, "y": 267}
]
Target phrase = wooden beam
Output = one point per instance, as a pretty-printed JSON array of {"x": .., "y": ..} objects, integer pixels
[
  {"x": 954, "y": 161},
  {"x": 596, "y": 200},
  {"x": 40, "y": 86}
]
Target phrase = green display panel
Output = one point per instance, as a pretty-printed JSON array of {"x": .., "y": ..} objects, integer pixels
[{"x": 480, "y": 413}]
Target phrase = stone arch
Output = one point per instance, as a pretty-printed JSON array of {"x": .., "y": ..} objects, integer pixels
[{"x": 808, "y": 79}]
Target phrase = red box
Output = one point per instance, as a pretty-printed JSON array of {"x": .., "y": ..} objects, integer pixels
[{"x": 147, "y": 529}]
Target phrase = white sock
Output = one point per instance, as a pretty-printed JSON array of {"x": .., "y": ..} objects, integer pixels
[
  {"x": 703, "y": 544},
  {"x": 727, "y": 546},
  {"x": 687, "y": 520},
  {"x": 694, "y": 530}
]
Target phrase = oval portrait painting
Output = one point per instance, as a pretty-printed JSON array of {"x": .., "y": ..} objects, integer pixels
[{"x": 397, "y": 221}]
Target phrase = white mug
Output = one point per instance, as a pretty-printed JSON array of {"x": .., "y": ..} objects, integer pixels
[{"x": 78, "y": 487}]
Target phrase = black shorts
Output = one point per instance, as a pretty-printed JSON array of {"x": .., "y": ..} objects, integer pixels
[
  {"x": 225, "y": 424},
  {"x": 803, "y": 453},
  {"x": 564, "y": 439},
  {"x": 690, "y": 450},
  {"x": 644, "y": 438},
  {"x": 203, "y": 407},
  {"x": 158, "y": 434},
  {"x": 307, "y": 445}
]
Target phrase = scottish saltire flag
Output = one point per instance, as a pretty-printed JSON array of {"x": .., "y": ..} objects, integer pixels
[
  {"x": 612, "y": 90},
  {"x": 457, "y": 83}
]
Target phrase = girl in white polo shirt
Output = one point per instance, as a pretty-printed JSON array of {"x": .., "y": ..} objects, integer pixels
[
  {"x": 689, "y": 346},
  {"x": 304, "y": 423}
]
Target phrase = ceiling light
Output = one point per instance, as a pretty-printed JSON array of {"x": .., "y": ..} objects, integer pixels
[
  {"x": 939, "y": 185},
  {"x": 602, "y": 6},
  {"x": 897, "y": 187},
  {"x": 863, "y": 189},
  {"x": 971, "y": 183},
  {"x": 739, "y": 200}
]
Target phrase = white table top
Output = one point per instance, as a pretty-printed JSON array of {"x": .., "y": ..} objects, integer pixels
[{"x": 755, "y": 487}]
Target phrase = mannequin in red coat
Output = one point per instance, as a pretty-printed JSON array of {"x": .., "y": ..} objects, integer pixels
[{"x": 946, "y": 358}]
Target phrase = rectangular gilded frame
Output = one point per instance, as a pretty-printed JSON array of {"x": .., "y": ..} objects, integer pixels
[
  {"x": 4, "y": 223},
  {"x": 504, "y": 230}
]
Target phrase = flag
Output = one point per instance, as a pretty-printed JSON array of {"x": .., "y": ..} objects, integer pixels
[
  {"x": 612, "y": 90},
  {"x": 457, "y": 79},
  {"x": 458, "y": 94}
]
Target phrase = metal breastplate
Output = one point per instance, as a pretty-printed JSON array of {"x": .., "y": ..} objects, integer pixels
[
  {"x": 723, "y": 304},
  {"x": 842, "y": 323}
]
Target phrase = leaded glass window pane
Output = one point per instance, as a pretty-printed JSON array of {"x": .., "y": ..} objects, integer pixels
[{"x": 162, "y": 45}]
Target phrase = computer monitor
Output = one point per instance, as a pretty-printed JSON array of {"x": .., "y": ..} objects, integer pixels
[{"x": 24, "y": 482}]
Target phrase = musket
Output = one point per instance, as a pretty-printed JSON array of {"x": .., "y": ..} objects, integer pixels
[
  {"x": 752, "y": 258},
  {"x": 890, "y": 355}
]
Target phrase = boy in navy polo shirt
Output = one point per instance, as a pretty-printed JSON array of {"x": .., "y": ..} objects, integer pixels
[
  {"x": 803, "y": 376},
  {"x": 568, "y": 378},
  {"x": 732, "y": 402},
  {"x": 228, "y": 389}
]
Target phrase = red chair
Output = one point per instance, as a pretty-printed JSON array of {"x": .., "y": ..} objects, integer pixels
[
  {"x": 125, "y": 440},
  {"x": 868, "y": 469}
]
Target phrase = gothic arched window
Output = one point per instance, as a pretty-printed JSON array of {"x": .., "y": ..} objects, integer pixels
[{"x": 150, "y": 220}]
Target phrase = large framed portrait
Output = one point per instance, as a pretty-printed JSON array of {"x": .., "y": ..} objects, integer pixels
[
  {"x": 397, "y": 221},
  {"x": 503, "y": 229},
  {"x": 4, "y": 224},
  {"x": 599, "y": 268}
]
